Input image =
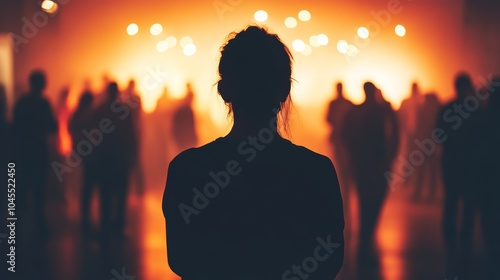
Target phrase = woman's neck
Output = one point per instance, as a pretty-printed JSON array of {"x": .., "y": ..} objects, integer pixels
[{"x": 246, "y": 125}]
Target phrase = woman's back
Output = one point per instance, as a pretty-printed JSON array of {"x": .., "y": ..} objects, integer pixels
[{"x": 253, "y": 208}]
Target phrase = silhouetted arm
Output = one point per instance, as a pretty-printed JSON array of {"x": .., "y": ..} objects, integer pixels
[
  {"x": 331, "y": 236},
  {"x": 173, "y": 220},
  {"x": 188, "y": 237}
]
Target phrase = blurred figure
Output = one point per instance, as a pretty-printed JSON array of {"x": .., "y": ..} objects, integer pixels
[
  {"x": 337, "y": 110},
  {"x": 133, "y": 100},
  {"x": 252, "y": 200},
  {"x": 427, "y": 180},
  {"x": 34, "y": 131},
  {"x": 184, "y": 130},
  {"x": 79, "y": 124},
  {"x": 114, "y": 125},
  {"x": 490, "y": 206},
  {"x": 463, "y": 166},
  {"x": 408, "y": 115},
  {"x": 370, "y": 135},
  {"x": 336, "y": 113}
]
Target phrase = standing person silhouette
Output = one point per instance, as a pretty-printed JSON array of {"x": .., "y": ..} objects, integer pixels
[
  {"x": 34, "y": 130},
  {"x": 251, "y": 204},
  {"x": 337, "y": 110},
  {"x": 114, "y": 159},
  {"x": 183, "y": 123},
  {"x": 80, "y": 122},
  {"x": 408, "y": 115},
  {"x": 133, "y": 100},
  {"x": 462, "y": 186},
  {"x": 370, "y": 135},
  {"x": 490, "y": 206}
]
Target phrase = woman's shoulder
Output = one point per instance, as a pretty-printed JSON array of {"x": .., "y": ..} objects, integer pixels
[
  {"x": 195, "y": 154},
  {"x": 282, "y": 150}
]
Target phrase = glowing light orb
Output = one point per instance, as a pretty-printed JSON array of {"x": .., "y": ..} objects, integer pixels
[
  {"x": 132, "y": 29},
  {"x": 156, "y": 29},
  {"x": 189, "y": 49},
  {"x": 352, "y": 50},
  {"x": 304, "y": 15},
  {"x": 172, "y": 41},
  {"x": 290, "y": 22},
  {"x": 49, "y": 6},
  {"x": 400, "y": 30},
  {"x": 162, "y": 46},
  {"x": 313, "y": 40},
  {"x": 260, "y": 15},
  {"x": 186, "y": 40},
  {"x": 322, "y": 39},
  {"x": 363, "y": 32},
  {"x": 342, "y": 46},
  {"x": 307, "y": 50},
  {"x": 298, "y": 45}
]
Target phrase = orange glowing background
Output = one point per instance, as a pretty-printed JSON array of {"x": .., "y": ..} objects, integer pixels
[{"x": 88, "y": 40}]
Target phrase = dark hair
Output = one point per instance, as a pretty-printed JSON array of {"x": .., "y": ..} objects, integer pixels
[
  {"x": 369, "y": 88},
  {"x": 113, "y": 90},
  {"x": 37, "y": 81},
  {"x": 463, "y": 83},
  {"x": 255, "y": 72},
  {"x": 86, "y": 100}
]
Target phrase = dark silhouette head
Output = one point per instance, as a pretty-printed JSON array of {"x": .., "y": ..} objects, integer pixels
[
  {"x": 189, "y": 93},
  {"x": 414, "y": 89},
  {"x": 463, "y": 85},
  {"x": 370, "y": 90},
  {"x": 255, "y": 71},
  {"x": 85, "y": 101},
  {"x": 37, "y": 81},
  {"x": 340, "y": 92},
  {"x": 131, "y": 86},
  {"x": 112, "y": 91}
]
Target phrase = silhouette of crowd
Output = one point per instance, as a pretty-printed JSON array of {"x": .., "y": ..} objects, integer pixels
[
  {"x": 105, "y": 131},
  {"x": 457, "y": 142},
  {"x": 429, "y": 150}
]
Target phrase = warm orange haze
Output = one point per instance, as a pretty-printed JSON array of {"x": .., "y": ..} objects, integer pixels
[{"x": 171, "y": 50}]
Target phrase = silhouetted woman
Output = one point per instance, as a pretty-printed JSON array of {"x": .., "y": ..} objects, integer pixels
[
  {"x": 252, "y": 205},
  {"x": 80, "y": 122}
]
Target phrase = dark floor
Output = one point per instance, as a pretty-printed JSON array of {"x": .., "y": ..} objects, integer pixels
[{"x": 408, "y": 239}]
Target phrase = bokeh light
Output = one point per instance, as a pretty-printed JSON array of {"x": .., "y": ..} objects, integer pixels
[
  {"x": 186, "y": 40},
  {"x": 290, "y": 22},
  {"x": 298, "y": 45},
  {"x": 363, "y": 32},
  {"x": 49, "y": 6},
  {"x": 352, "y": 50},
  {"x": 162, "y": 46},
  {"x": 156, "y": 29},
  {"x": 400, "y": 30},
  {"x": 313, "y": 40},
  {"x": 322, "y": 39},
  {"x": 260, "y": 15},
  {"x": 342, "y": 46},
  {"x": 189, "y": 49},
  {"x": 132, "y": 29},
  {"x": 307, "y": 50},
  {"x": 304, "y": 15},
  {"x": 172, "y": 41}
]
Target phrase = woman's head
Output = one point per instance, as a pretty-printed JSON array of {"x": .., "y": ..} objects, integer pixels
[{"x": 255, "y": 73}]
